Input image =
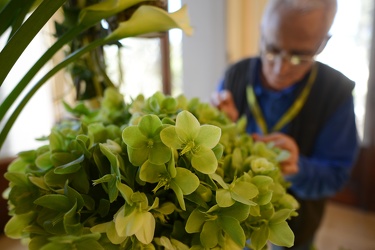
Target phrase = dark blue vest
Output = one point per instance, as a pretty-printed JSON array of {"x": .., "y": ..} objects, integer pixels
[{"x": 331, "y": 88}]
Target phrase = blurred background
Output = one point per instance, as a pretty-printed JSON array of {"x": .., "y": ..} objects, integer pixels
[{"x": 224, "y": 32}]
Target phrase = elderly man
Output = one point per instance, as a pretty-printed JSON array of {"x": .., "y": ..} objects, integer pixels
[{"x": 301, "y": 105}]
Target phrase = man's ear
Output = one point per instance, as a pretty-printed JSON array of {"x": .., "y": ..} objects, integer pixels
[{"x": 324, "y": 43}]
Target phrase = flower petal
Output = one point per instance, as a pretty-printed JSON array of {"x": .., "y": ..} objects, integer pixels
[
  {"x": 135, "y": 223},
  {"x": 186, "y": 180},
  {"x": 204, "y": 161},
  {"x": 159, "y": 154},
  {"x": 208, "y": 136},
  {"x": 187, "y": 126},
  {"x": 169, "y": 137},
  {"x": 137, "y": 156},
  {"x": 96, "y": 12},
  {"x": 148, "y": 19},
  {"x": 133, "y": 137},
  {"x": 146, "y": 233},
  {"x": 151, "y": 172},
  {"x": 149, "y": 125}
]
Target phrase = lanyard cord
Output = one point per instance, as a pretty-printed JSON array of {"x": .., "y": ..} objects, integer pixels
[{"x": 289, "y": 114}]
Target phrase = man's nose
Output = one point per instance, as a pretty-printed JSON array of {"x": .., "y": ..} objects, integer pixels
[{"x": 281, "y": 64}]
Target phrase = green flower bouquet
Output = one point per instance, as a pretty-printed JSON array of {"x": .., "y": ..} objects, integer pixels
[{"x": 155, "y": 173}]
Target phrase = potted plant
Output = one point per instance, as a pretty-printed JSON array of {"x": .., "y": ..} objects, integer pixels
[{"x": 155, "y": 173}]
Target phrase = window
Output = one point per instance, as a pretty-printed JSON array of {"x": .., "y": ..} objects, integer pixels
[{"x": 349, "y": 49}]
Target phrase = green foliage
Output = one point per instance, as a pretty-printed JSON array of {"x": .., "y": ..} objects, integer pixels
[{"x": 156, "y": 173}]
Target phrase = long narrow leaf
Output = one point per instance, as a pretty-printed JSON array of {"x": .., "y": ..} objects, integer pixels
[
  {"x": 26, "y": 99},
  {"x": 10, "y": 12},
  {"x": 22, "y": 84},
  {"x": 20, "y": 17},
  {"x": 168, "y": 23},
  {"x": 17, "y": 44},
  {"x": 91, "y": 13}
]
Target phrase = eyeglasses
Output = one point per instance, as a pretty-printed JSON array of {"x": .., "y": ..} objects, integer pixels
[{"x": 294, "y": 60}]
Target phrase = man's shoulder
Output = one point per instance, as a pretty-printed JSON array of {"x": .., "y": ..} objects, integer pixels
[
  {"x": 243, "y": 64},
  {"x": 332, "y": 75}
]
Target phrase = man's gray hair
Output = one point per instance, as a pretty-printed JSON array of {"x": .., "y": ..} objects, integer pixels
[{"x": 330, "y": 6}]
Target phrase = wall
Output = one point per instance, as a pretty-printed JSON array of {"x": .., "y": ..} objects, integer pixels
[{"x": 204, "y": 56}]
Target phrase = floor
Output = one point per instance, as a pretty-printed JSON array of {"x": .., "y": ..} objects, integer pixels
[{"x": 343, "y": 228}]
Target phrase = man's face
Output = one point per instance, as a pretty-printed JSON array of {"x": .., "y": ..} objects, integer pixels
[{"x": 289, "y": 43}]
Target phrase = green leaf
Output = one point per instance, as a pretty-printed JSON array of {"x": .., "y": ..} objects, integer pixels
[
  {"x": 103, "y": 207},
  {"x": 239, "y": 211},
  {"x": 281, "y": 234},
  {"x": 39, "y": 182},
  {"x": 57, "y": 246},
  {"x": 74, "y": 196},
  {"x": 125, "y": 191},
  {"x": 89, "y": 245},
  {"x": 15, "y": 226},
  {"x": 218, "y": 151},
  {"x": 259, "y": 237},
  {"x": 19, "y": 41},
  {"x": 57, "y": 202},
  {"x": 17, "y": 178},
  {"x": 72, "y": 223},
  {"x": 43, "y": 161},
  {"x": 210, "y": 234},
  {"x": 232, "y": 227},
  {"x": 70, "y": 167},
  {"x": 18, "y": 165},
  {"x": 195, "y": 221},
  {"x": 179, "y": 194},
  {"x": 112, "y": 190},
  {"x": 280, "y": 216}
]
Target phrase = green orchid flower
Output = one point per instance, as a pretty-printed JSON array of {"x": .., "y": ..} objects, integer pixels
[
  {"x": 144, "y": 143},
  {"x": 148, "y": 19},
  {"x": 181, "y": 180},
  {"x": 193, "y": 140},
  {"x": 136, "y": 219}
]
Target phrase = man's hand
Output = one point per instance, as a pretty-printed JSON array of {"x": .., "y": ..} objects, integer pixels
[
  {"x": 224, "y": 101},
  {"x": 290, "y": 165}
]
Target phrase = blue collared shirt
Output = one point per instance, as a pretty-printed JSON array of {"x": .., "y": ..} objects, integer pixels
[{"x": 327, "y": 170}]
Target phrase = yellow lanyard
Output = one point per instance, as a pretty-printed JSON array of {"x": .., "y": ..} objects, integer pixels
[{"x": 289, "y": 114}]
